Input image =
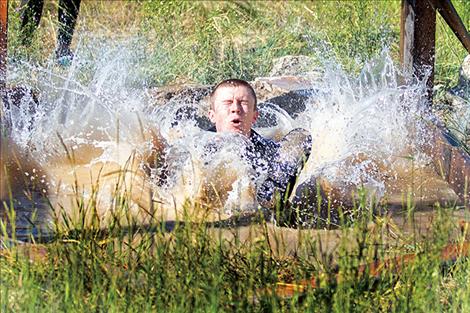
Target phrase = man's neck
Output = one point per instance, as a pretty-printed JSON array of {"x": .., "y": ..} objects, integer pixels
[{"x": 249, "y": 135}]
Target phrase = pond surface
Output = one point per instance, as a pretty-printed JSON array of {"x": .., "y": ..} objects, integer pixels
[{"x": 100, "y": 111}]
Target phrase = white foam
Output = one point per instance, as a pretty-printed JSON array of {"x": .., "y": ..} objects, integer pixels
[{"x": 102, "y": 101}]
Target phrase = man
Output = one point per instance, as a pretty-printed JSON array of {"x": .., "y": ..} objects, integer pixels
[
  {"x": 67, "y": 15},
  {"x": 233, "y": 109}
]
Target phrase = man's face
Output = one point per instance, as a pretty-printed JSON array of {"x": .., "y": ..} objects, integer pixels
[{"x": 233, "y": 110}]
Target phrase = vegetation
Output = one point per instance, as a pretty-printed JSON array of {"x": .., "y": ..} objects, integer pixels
[
  {"x": 205, "y": 41},
  {"x": 191, "y": 268}
]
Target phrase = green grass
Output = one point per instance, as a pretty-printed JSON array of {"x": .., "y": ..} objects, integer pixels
[
  {"x": 205, "y": 41},
  {"x": 133, "y": 268}
]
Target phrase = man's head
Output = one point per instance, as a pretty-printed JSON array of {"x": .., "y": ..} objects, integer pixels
[{"x": 233, "y": 106}]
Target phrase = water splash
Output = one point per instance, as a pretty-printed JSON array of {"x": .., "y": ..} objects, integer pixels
[
  {"x": 94, "y": 102},
  {"x": 364, "y": 124},
  {"x": 101, "y": 106}
]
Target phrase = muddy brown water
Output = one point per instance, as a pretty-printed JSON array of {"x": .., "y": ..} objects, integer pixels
[
  {"x": 33, "y": 217},
  {"x": 35, "y": 206}
]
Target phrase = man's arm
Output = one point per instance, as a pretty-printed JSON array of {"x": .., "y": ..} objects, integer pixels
[
  {"x": 155, "y": 160},
  {"x": 291, "y": 154}
]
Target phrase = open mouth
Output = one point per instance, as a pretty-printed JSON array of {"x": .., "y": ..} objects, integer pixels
[{"x": 236, "y": 122}]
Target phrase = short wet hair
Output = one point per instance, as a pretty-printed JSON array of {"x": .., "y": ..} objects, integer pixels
[{"x": 232, "y": 82}]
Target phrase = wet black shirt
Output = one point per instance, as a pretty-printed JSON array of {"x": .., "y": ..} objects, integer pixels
[{"x": 264, "y": 156}]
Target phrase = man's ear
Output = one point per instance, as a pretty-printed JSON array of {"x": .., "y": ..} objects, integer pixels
[
  {"x": 211, "y": 115},
  {"x": 255, "y": 116}
]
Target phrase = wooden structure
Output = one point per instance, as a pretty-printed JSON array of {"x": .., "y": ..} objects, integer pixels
[
  {"x": 418, "y": 32},
  {"x": 3, "y": 43},
  {"x": 449, "y": 254}
]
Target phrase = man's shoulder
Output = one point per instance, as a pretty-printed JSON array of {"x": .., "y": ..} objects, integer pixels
[
  {"x": 263, "y": 144},
  {"x": 260, "y": 144},
  {"x": 255, "y": 136}
]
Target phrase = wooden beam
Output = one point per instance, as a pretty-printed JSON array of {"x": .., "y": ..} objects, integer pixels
[
  {"x": 452, "y": 18},
  {"x": 3, "y": 73},
  {"x": 3, "y": 43},
  {"x": 449, "y": 254},
  {"x": 417, "y": 41}
]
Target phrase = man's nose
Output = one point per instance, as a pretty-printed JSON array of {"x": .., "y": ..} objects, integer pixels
[{"x": 235, "y": 107}]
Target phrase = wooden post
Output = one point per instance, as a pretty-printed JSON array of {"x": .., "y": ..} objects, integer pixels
[
  {"x": 3, "y": 72},
  {"x": 418, "y": 33},
  {"x": 417, "y": 40},
  {"x": 3, "y": 43}
]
